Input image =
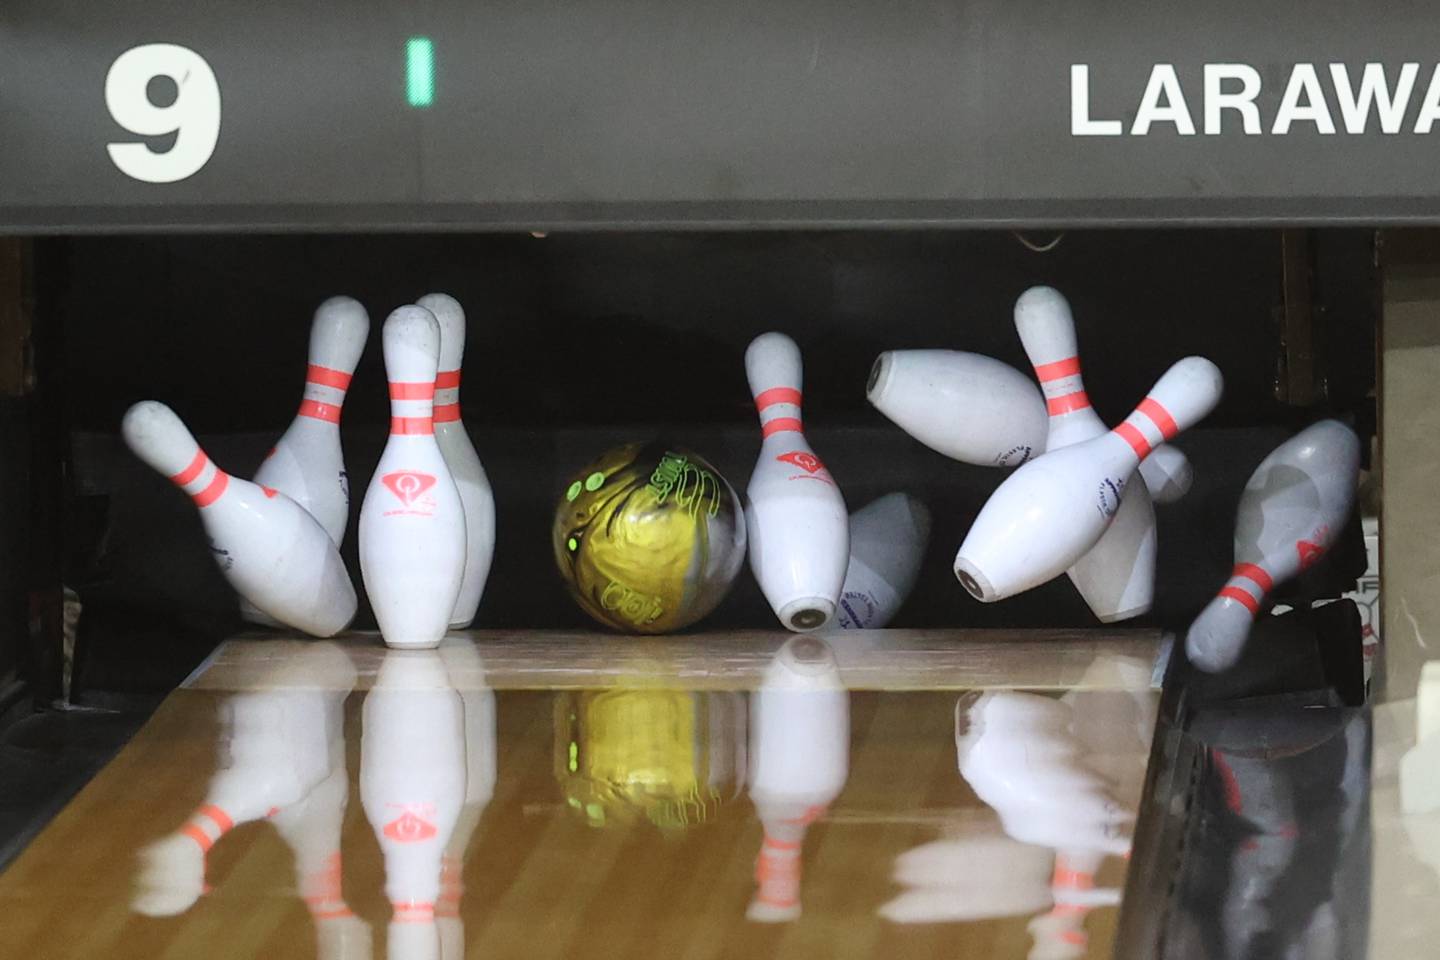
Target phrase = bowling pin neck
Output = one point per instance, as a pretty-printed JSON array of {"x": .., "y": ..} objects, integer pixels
[
  {"x": 1063, "y": 387},
  {"x": 412, "y": 408},
  {"x": 779, "y": 409},
  {"x": 1182, "y": 397},
  {"x": 1248, "y": 586},
  {"x": 202, "y": 480},
  {"x": 447, "y": 396},
  {"x": 325, "y": 389}
]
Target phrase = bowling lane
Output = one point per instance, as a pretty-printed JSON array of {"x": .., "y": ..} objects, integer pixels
[{"x": 885, "y": 793}]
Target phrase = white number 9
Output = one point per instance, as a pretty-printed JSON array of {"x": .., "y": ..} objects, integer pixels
[{"x": 194, "y": 116}]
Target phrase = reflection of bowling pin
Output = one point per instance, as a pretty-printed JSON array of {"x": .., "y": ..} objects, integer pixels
[
  {"x": 1292, "y": 510},
  {"x": 967, "y": 406},
  {"x": 276, "y": 749},
  {"x": 274, "y": 553},
  {"x": 971, "y": 875},
  {"x": 1018, "y": 755},
  {"x": 412, "y": 784},
  {"x": 796, "y": 519},
  {"x": 412, "y": 525},
  {"x": 1116, "y": 577},
  {"x": 467, "y": 675},
  {"x": 799, "y": 760},
  {"x": 1054, "y": 509},
  {"x": 307, "y": 464},
  {"x": 460, "y": 456},
  {"x": 887, "y": 541}
]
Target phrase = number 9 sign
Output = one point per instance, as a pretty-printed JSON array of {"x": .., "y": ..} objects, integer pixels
[{"x": 194, "y": 117}]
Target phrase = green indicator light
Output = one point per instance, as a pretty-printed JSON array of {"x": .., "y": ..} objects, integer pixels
[
  {"x": 595, "y": 481},
  {"x": 419, "y": 71}
]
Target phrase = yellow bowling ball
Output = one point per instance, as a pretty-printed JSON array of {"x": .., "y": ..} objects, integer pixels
[{"x": 649, "y": 538}]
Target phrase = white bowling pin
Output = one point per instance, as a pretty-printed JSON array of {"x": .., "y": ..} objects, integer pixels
[
  {"x": 1054, "y": 509},
  {"x": 307, "y": 463},
  {"x": 467, "y": 675},
  {"x": 273, "y": 552},
  {"x": 412, "y": 785},
  {"x": 412, "y": 524},
  {"x": 795, "y": 515},
  {"x": 460, "y": 456},
  {"x": 1293, "y": 508},
  {"x": 799, "y": 761},
  {"x": 1116, "y": 578},
  {"x": 274, "y": 750},
  {"x": 1167, "y": 474},
  {"x": 972, "y": 875},
  {"x": 968, "y": 406},
  {"x": 887, "y": 542}
]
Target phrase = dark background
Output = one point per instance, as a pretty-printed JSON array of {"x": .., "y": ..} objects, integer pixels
[{"x": 576, "y": 342}]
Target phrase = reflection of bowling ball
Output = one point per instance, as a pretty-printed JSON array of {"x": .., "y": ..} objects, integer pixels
[
  {"x": 649, "y": 538},
  {"x": 672, "y": 757}
]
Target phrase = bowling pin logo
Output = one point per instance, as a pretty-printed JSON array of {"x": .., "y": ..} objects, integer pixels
[
  {"x": 412, "y": 826},
  {"x": 856, "y": 609},
  {"x": 808, "y": 462},
  {"x": 1309, "y": 552},
  {"x": 1108, "y": 500},
  {"x": 408, "y": 486}
]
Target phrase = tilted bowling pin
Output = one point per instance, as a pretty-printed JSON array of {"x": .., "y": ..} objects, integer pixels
[
  {"x": 799, "y": 761},
  {"x": 1116, "y": 577},
  {"x": 460, "y": 456},
  {"x": 974, "y": 873},
  {"x": 412, "y": 785},
  {"x": 307, "y": 464},
  {"x": 1293, "y": 508},
  {"x": 274, "y": 749},
  {"x": 273, "y": 552},
  {"x": 968, "y": 406},
  {"x": 887, "y": 542},
  {"x": 1054, "y": 509},
  {"x": 795, "y": 516},
  {"x": 412, "y": 524}
]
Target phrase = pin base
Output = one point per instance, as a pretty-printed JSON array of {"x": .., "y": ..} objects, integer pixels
[
  {"x": 1130, "y": 614},
  {"x": 974, "y": 582},
  {"x": 412, "y": 644},
  {"x": 807, "y": 613}
]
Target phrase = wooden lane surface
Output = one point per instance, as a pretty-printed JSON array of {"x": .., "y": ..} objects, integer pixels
[{"x": 540, "y": 882}]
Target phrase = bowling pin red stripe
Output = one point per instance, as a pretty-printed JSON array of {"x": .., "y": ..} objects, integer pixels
[
  {"x": 1068, "y": 403},
  {"x": 413, "y": 912},
  {"x": 1069, "y": 367},
  {"x": 1252, "y": 572},
  {"x": 1241, "y": 597},
  {"x": 412, "y": 391},
  {"x": 1160, "y": 417},
  {"x": 213, "y": 490},
  {"x": 197, "y": 466},
  {"x": 1135, "y": 438},
  {"x": 447, "y": 380},
  {"x": 320, "y": 411},
  {"x": 201, "y": 838},
  {"x": 1071, "y": 879},
  {"x": 780, "y": 425},
  {"x": 774, "y": 395},
  {"x": 325, "y": 377},
  {"x": 773, "y": 844},
  {"x": 447, "y": 412},
  {"x": 412, "y": 425}
]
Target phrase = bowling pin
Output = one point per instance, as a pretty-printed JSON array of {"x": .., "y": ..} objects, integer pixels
[
  {"x": 1167, "y": 474},
  {"x": 970, "y": 407},
  {"x": 1052, "y": 511},
  {"x": 887, "y": 542},
  {"x": 273, "y": 552},
  {"x": 274, "y": 750},
  {"x": 795, "y": 516},
  {"x": 1116, "y": 578},
  {"x": 460, "y": 457},
  {"x": 412, "y": 786},
  {"x": 799, "y": 761},
  {"x": 1293, "y": 508},
  {"x": 977, "y": 874},
  {"x": 307, "y": 464},
  {"x": 412, "y": 524}
]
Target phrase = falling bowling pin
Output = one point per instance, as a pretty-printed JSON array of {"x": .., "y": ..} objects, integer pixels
[
  {"x": 799, "y": 761},
  {"x": 412, "y": 524},
  {"x": 460, "y": 456},
  {"x": 887, "y": 542},
  {"x": 1116, "y": 578},
  {"x": 412, "y": 786},
  {"x": 795, "y": 515},
  {"x": 968, "y": 406},
  {"x": 1050, "y": 512},
  {"x": 273, "y": 552},
  {"x": 1293, "y": 508}
]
